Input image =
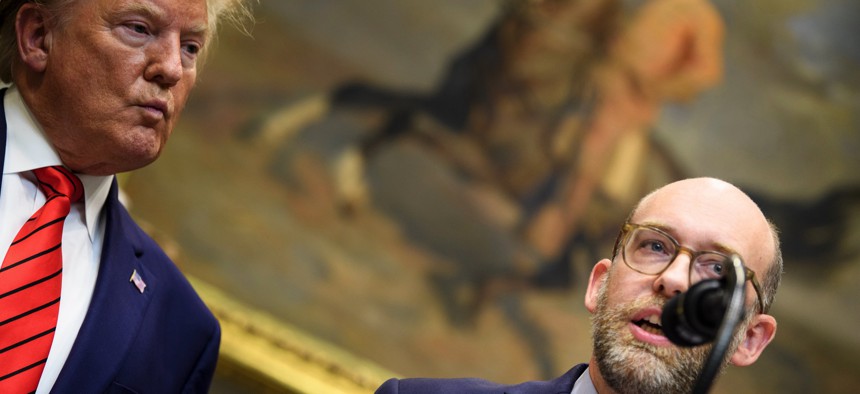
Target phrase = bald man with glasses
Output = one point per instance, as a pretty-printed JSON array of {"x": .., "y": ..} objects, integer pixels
[{"x": 676, "y": 236}]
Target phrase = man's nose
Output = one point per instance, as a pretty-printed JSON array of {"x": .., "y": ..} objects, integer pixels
[
  {"x": 676, "y": 278},
  {"x": 164, "y": 62}
]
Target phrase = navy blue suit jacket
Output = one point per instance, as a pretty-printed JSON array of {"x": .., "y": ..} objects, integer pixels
[
  {"x": 560, "y": 385},
  {"x": 163, "y": 340}
]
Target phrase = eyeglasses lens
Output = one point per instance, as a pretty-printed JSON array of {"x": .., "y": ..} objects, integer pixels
[{"x": 649, "y": 251}]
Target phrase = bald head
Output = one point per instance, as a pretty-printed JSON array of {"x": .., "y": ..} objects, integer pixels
[{"x": 717, "y": 215}]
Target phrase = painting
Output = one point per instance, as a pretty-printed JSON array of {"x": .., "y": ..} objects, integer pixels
[{"x": 426, "y": 185}]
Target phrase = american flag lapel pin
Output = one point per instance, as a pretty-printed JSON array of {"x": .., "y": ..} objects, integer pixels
[{"x": 138, "y": 281}]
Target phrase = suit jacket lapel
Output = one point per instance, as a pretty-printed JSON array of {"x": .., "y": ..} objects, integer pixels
[{"x": 116, "y": 310}]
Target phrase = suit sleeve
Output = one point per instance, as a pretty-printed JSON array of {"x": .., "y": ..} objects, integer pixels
[
  {"x": 204, "y": 370},
  {"x": 391, "y": 386}
]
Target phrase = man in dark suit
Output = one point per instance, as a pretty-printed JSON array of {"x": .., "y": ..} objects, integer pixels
[
  {"x": 676, "y": 236},
  {"x": 96, "y": 89}
]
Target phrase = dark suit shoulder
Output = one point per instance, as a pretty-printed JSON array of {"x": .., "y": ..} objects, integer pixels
[{"x": 560, "y": 385}]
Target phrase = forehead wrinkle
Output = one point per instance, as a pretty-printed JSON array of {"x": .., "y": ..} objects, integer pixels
[
  {"x": 157, "y": 13},
  {"x": 146, "y": 9}
]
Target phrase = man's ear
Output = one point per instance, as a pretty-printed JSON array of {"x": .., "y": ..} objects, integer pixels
[
  {"x": 598, "y": 275},
  {"x": 33, "y": 36},
  {"x": 757, "y": 336}
]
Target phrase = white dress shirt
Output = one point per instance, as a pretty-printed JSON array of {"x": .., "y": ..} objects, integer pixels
[
  {"x": 583, "y": 384},
  {"x": 83, "y": 232}
]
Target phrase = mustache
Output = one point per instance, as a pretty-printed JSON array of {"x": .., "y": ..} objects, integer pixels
[{"x": 629, "y": 308}]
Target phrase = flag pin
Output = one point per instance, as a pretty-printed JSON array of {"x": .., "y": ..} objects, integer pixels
[{"x": 137, "y": 280}]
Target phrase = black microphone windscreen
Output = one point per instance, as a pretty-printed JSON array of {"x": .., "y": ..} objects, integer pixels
[{"x": 692, "y": 318}]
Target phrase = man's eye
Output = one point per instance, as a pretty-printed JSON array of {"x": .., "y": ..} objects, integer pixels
[
  {"x": 137, "y": 28},
  {"x": 192, "y": 49},
  {"x": 656, "y": 246},
  {"x": 710, "y": 269}
]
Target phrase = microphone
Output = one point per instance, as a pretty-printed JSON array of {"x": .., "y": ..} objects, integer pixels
[
  {"x": 710, "y": 310},
  {"x": 693, "y": 318}
]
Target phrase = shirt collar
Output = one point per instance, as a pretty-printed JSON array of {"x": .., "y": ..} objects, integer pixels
[
  {"x": 27, "y": 148},
  {"x": 583, "y": 384}
]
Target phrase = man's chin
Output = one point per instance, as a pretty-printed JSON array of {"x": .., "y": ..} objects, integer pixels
[
  {"x": 639, "y": 369},
  {"x": 138, "y": 154},
  {"x": 644, "y": 355},
  {"x": 631, "y": 365},
  {"x": 130, "y": 161}
]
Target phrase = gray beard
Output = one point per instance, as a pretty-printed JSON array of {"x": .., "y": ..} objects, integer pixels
[{"x": 630, "y": 366}]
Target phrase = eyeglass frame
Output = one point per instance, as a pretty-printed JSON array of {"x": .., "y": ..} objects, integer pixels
[{"x": 627, "y": 229}]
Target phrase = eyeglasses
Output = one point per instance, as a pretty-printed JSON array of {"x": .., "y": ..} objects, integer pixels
[{"x": 650, "y": 250}]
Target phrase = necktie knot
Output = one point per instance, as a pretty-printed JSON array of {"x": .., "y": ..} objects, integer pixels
[{"x": 57, "y": 180}]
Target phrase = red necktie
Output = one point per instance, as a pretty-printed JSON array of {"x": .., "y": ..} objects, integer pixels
[{"x": 30, "y": 281}]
